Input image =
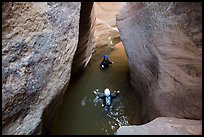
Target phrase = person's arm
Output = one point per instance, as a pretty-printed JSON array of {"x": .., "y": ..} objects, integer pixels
[
  {"x": 115, "y": 94},
  {"x": 98, "y": 93},
  {"x": 101, "y": 95},
  {"x": 110, "y": 62}
]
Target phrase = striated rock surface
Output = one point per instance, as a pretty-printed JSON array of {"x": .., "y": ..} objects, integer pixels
[
  {"x": 39, "y": 40},
  {"x": 86, "y": 43},
  {"x": 163, "y": 45},
  {"x": 164, "y": 126},
  {"x": 106, "y": 33}
]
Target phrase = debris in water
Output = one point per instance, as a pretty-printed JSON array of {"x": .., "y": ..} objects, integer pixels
[{"x": 83, "y": 101}]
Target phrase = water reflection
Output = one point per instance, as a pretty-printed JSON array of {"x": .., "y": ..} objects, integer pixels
[
  {"x": 114, "y": 118},
  {"x": 83, "y": 114}
]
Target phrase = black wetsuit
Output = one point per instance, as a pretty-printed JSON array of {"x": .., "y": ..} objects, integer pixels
[
  {"x": 105, "y": 63},
  {"x": 107, "y": 100}
]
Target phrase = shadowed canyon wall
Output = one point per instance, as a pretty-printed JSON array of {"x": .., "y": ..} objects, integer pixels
[
  {"x": 39, "y": 41},
  {"x": 86, "y": 43},
  {"x": 163, "y": 42},
  {"x": 43, "y": 42}
]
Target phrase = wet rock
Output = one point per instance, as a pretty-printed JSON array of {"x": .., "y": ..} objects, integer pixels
[
  {"x": 39, "y": 41},
  {"x": 164, "y": 56},
  {"x": 164, "y": 126}
]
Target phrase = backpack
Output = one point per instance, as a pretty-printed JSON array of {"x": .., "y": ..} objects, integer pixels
[{"x": 108, "y": 100}]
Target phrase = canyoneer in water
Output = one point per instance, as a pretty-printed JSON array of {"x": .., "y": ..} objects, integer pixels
[
  {"x": 107, "y": 98},
  {"x": 105, "y": 62}
]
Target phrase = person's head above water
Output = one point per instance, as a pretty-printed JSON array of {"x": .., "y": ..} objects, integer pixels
[
  {"x": 105, "y": 56},
  {"x": 107, "y": 92}
]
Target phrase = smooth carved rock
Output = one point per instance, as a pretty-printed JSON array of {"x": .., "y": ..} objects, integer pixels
[
  {"x": 39, "y": 40},
  {"x": 106, "y": 11},
  {"x": 86, "y": 43},
  {"x": 164, "y": 126},
  {"x": 106, "y": 33},
  {"x": 163, "y": 46}
]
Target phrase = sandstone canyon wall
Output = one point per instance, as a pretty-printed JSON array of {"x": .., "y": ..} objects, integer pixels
[
  {"x": 106, "y": 33},
  {"x": 106, "y": 11},
  {"x": 164, "y": 126},
  {"x": 163, "y": 42},
  {"x": 86, "y": 43},
  {"x": 39, "y": 41}
]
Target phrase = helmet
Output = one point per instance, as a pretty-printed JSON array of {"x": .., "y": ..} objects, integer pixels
[
  {"x": 107, "y": 92},
  {"x": 105, "y": 56}
]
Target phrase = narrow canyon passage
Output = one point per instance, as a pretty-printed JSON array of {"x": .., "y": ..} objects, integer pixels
[
  {"x": 80, "y": 114},
  {"x": 51, "y": 53}
]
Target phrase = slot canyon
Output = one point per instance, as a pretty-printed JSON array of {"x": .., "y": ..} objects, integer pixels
[{"x": 51, "y": 55}]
